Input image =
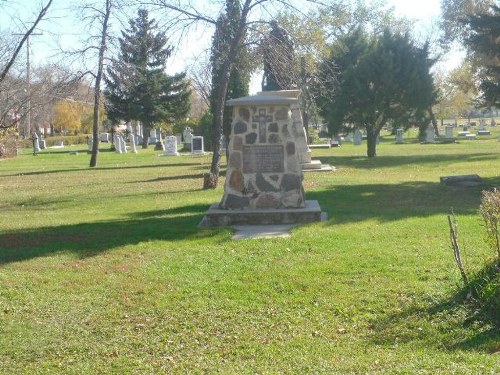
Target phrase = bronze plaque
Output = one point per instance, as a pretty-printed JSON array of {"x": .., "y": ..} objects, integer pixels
[{"x": 263, "y": 158}]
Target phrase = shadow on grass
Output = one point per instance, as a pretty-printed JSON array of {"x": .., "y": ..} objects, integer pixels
[
  {"x": 387, "y": 202},
  {"x": 89, "y": 239},
  {"x": 388, "y": 161},
  {"x": 104, "y": 169},
  {"x": 473, "y": 308}
]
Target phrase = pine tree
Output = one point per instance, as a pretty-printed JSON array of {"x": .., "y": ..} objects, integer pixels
[
  {"x": 137, "y": 87},
  {"x": 379, "y": 79},
  {"x": 239, "y": 78}
]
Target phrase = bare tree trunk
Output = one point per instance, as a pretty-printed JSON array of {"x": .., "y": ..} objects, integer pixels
[
  {"x": 97, "y": 89},
  {"x": 371, "y": 140},
  {"x": 9, "y": 64},
  {"x": 211, "y": 179}
]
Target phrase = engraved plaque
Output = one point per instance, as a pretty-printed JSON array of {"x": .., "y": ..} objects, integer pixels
[{"x": 263, "y": 158}]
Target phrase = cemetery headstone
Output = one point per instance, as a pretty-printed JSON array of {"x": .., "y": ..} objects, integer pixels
[
  {"x": 171, "y": 145},
  {"x": 118, "y": 144},
  {"x": 197, "y": 146},
  {"x": 105, "y": 137},
  {"x": 429, "y": 134},
  {"x": 133, "y": 146},
  {"x": 152, "y": 137},
  {"x": 399, "y": 136},
  {"x": 188, "y": 137},
  {"x": 90, "y": 142},
  {"x": 42, "y": 144}
]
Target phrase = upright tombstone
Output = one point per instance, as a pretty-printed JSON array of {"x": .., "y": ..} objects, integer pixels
[
  {"x": 429, "y": 134},
  {"x": 171, "y": 146},
  {"x": 91, "y": 141},
  {"x": 197, "y": 146},
  {"x": 133, "y": 145},
  {"x": 188, "y": 137},
  {"x": 153, "y": 138},
  {"x": 264, "y": 177},
  {"x": 118, "y": 143},
  {"x": 448, "y": 131},
  {"x": 399, "y": 136},
  {"x": 358, "y": 137},
  {"x": 105, "y": 137}
]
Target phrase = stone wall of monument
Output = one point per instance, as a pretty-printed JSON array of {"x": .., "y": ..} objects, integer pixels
[{"x": 263, "y": 169}]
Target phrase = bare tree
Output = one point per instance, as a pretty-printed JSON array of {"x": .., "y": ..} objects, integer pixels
[
  {"x": 104, "y": 17},
  {"x": 12, "y": 92}
]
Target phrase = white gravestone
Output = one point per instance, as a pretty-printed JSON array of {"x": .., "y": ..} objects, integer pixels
[
  {"x": 133, "y": 147},
  {"x": 118, "y": 144},
  {"x": 123, "y": 144},
  {"x": 171, "y": 146},
  {"x": 105, "y": 137},
  {"x": 399, "y": 136},
  {"x": 91, "y": 141},
  {"x": 197, "y": 145},
  {"x": 152, "y": 137}
]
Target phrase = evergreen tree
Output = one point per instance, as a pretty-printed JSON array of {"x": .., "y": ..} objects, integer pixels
[
  {"x": 279, "y": 57},
  {"x": 137, "y": 87},
  {"x": 239, "y": 78},
  {"x": 378, "y": 79},
  {"x": 484, "y": 41}
]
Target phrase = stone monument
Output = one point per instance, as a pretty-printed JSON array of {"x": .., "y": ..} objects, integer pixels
[
  {"x": 187, "y": 135},
  {"x": 171, "y": 146},
  {"x": 197, "y": 146},
  {"x": 133, "y": 145},
  {"x": 264, "y": 176}
]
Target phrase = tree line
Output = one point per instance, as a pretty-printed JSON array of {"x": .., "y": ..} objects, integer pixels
[{"x": 356, "y": 64}]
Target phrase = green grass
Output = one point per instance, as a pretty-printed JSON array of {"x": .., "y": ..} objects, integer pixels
[{"x": 104, "y": 271}]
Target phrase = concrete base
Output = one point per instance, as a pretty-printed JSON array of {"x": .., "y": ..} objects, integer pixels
[
  {"x": 316, "y": 166},
  {"x": 216, "y": 217}
]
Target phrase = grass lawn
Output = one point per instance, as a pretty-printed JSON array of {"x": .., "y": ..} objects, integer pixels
[{"x": 103, "y": 270}]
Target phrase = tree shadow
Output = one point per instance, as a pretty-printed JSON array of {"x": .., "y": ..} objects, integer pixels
[
  {"x": 388, "y": 202},
  {"x": 454, "y": 313},
  {"x": 88, "y": 169},
  {"x": 387, "y": 161},
  {"x": 89, "y": 239}
]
